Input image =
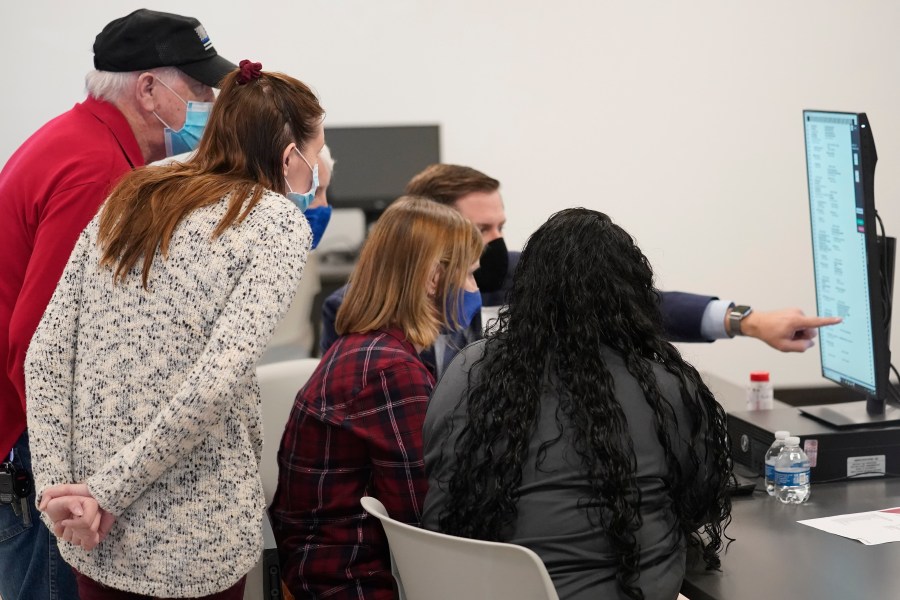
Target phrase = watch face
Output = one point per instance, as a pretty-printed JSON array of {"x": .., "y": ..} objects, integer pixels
[
  {"x": 741, "y": 311},
  {"x": 735, "y": 316}
]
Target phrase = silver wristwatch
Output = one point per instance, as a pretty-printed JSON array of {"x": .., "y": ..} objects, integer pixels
[{"x": 736, "y": 314}]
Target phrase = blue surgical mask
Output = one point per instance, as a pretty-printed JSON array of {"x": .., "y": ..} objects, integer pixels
[
  {"x": 302, "y": 201},
  {"x": 318, "y": 218},
  {"x": 188, "y": 137},
  {"x": 467, "y": 307}
]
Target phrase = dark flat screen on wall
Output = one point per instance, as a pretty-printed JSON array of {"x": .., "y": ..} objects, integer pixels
[{"x": 374, "y": 164}]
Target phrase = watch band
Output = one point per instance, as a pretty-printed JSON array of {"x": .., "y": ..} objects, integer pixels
[{"x": 736, "y": 314}]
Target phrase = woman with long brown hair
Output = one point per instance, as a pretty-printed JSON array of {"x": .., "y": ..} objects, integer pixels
[
  {"x": 142, "y": 396},
  {"x": 356, "y": 426}
]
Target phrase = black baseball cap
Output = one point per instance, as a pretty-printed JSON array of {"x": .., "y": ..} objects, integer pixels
[{"x": 147, "y": 39}]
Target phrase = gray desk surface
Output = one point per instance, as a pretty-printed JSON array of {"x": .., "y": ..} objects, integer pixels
[{"x": 774, "y": 556}]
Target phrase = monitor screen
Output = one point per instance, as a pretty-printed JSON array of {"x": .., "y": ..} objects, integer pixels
[
  {"x": 837, "y": 204},
  {"x": 374, "y": 164}
]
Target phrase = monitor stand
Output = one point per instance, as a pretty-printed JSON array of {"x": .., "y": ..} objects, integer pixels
[{"x": 865, "y": 413}]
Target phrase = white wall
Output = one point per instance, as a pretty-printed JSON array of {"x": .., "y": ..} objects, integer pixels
[{"x": 682, "y": 120}]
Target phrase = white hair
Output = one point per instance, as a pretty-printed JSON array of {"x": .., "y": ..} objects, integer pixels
[
  {"x": 113, "y": 87},
  {"x": 326, "y": 159}
]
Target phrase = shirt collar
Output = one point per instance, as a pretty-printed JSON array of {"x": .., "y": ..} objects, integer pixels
[{"x": 118, "y": 125}]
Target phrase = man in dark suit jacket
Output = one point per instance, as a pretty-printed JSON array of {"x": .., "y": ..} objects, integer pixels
[
  {"x": 687, "y": 317},
  {"x": 682, "y": 312}
]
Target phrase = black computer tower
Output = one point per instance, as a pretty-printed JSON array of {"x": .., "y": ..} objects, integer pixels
[{"x": 834, "y": 453}]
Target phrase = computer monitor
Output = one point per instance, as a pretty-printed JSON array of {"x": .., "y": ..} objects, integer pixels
[
  {"x": 853, "y": 266},
  {"x": 374, "y": 164}
]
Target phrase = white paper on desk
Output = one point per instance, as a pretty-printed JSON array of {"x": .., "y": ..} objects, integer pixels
[{"x": 870, "y": 528}]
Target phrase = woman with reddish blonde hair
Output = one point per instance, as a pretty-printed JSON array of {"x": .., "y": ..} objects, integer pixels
[{"x": 356, "y": 426}]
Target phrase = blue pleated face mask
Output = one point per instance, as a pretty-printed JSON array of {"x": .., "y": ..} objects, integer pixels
[
  {"x": 188, "y": 137},
  {"x": 302, "y": 201},
  {"x": 468, "y": 305}
]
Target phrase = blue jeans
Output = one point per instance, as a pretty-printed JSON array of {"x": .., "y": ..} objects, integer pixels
[{"x": 30, "y": 565}]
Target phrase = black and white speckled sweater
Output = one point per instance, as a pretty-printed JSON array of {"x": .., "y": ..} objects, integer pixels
[{"x": 151, "y": 397}]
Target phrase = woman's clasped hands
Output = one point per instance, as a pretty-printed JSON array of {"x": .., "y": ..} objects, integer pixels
[{"x": 75, "y": 514}]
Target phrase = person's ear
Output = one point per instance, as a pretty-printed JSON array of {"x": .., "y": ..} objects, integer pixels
[
  {"x": 434, "y": 280},
  {"x": 143, "y": 91},
  {"x": 287, "y": 156}
]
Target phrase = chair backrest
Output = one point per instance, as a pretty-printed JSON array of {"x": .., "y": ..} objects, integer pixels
[
  {"x": 435, "y": 566},
  {"x": 278, "y": 386},
  {"x": 294, "y": 335}
]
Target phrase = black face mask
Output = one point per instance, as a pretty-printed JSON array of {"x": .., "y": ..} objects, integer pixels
[{"x": 494, "y": 264}]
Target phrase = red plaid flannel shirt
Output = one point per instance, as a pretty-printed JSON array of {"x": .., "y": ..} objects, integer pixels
[{"x": 355, "y": 430}]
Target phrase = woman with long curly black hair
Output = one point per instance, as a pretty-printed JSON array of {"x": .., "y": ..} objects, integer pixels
[{"x": 576, "y": 429}]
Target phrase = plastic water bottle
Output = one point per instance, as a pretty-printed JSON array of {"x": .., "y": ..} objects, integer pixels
[
  {"x": 771, "y": 454},
  {"x": 760, "y": 395},
  {"x": 792, "y": 473}
]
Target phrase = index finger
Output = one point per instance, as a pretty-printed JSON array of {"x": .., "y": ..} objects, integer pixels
[
  {"x": 63, "y": 507},
  {"x": 820, "y": 321},
  {"x": 62, "y": 489}
]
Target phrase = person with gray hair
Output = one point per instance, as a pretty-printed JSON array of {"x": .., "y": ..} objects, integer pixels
[{"x": 148, "y": 97}]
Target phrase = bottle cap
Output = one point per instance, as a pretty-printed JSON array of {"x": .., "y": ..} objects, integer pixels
[
  {"x": 781, "y": 435},
  {"x": 759, "y": 376},
  {"x": 792, "y": 440}
]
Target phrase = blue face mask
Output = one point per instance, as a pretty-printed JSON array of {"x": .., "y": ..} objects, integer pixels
[
  {"x": 318, "y": 218},
  {"x": 188, "y": 137},
  {"x": 302, "y": 201},
  {"x": 468, "y": 306}
]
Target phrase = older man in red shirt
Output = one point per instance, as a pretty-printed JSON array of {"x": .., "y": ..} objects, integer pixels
[{"x": 154, "y": 72}]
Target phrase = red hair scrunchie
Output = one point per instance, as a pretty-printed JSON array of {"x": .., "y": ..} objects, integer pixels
[{"x": 249, "y": 71}]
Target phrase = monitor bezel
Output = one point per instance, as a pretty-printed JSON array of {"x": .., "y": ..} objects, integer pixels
[{"x": 880, "y": 328}]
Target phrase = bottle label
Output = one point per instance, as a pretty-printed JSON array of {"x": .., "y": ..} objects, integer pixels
[
  {"x": 760, "y": 396},
  {"x": 752, "y": 399},
  {"x": 811, "y": 449},
  {"x": 770, "y": 471},
  {"x": 792, "y": 478},
  {"x": 766, "y": 398}
]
